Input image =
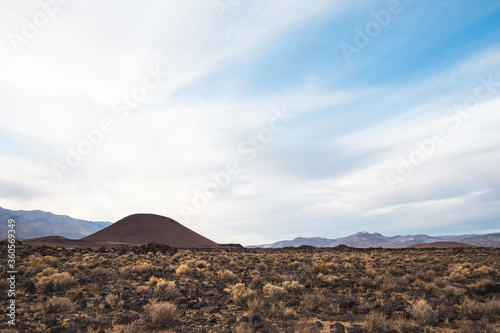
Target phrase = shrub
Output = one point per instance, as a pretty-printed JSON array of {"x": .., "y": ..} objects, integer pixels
[
  {"x": 329, "y": 278},
  {"x": 55, "y": 282},
  {"x": 152, "y": 281},
  {"x": 423, "y": 312},
  {"x": 227, "y": 276},
  {"x": 103, "y": 273},
  {"x": 166, "y": 289},
  {"x": 459, "y": 273},
  {"x": 293, "y": 287},
  {"x": 432, "y": 287},
  {"x": 319, "y": 267},
  {"x": 183, "y": 270},
  {"x": 47, "y": 272},
  {"x": 404, "y": 280},
  {"x": 453, "y": 291},
  {"x": 304, "y": 328},
  {"x": 365, "y": 282},
  {"x": 348, "y": 266},
  {"x": 34, "y": 261},
  {"x": 112, "y": 300},
  {"x": 376, "y": 322},
  {"x": 289, "y": 313},
  {"x": 468, "y": 326},
  {"x": 140, "y": 268},
  {"x": 57, "y": 305},
  {"x": 255, "y": 305},
  {"x": 142, "y": 289},
  {"x": 261, "y": 266},
  {"x": 35, "y": 269},
  {"x": 403, "y": 325},
  {"x": 315, "y": 300},
  {"x": 243, "y": 328},
  {"x": 441, "y": 283},
  {"x": 476, "y": 310},
  {"x": 50, "y": 260},
  {"x": 275, "y": 310},
  {"x": 485, "y": 270},
  {"x": 427, "y": 276},
  {"x": 161, "y": 314},
  {"x": 243, "y": 295},
  {"x": 274, "y": 291},
  {"x": 202, "y": 264},
  {"x": 257, "y": 282}
]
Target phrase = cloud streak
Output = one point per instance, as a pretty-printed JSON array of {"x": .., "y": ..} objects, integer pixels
[{"x": 324, "y": 175}]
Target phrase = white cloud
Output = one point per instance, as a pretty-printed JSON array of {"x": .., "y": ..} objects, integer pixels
[{"x": 325, "y": 169}]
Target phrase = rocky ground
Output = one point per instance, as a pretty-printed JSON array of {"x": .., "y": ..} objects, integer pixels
[{"x": 159, "y": 289}]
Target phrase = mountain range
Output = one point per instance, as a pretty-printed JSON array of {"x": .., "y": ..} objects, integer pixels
[
  {"x": 37, "y": 223},
  {"x": 365, "y": 239},
  {"x": 144, "y": 228},
  {"x": 43, "y": 228}
]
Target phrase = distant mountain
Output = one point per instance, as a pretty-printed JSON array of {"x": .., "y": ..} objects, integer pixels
[
  {"x": 37, "y": 223},
  {"x": 365, "y": 239},
  {"x": 488, "y": 240},
  {"x": 440, "y": 245},
  {"x": 141, "y": 229}
]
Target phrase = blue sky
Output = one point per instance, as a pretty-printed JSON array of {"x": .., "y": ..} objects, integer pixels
[{"x": 247, "y": 122}]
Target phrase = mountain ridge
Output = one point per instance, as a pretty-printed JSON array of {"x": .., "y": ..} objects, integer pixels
[
  {"x": 365, "y": 239},
  {"x": 38, "y": 223}
]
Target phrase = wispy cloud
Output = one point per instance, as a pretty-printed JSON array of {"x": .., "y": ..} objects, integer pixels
[{"x": 322, "y": 176}]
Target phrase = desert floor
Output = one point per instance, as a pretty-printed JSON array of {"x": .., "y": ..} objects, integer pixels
[{"x": 159, "y": 289}]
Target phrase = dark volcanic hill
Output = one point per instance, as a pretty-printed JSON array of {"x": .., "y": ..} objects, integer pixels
[{"x": 141, "y": 229}]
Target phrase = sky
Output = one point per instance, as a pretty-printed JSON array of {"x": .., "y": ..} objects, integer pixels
[{"x": 255, "y": 121}]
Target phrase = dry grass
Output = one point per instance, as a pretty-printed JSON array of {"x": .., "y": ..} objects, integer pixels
[{"x": 292, "y": 290}]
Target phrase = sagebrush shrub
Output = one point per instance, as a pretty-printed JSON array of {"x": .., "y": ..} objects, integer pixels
[
  {"x": 183, "y": 270},
  {"x": 161, "y": 314},
  {"x": 54, "y": 282},
  {"x": 57, "y": 305},
  {"x": 242, "y": 295},
  {"x": 227, "y": 276},
  {"x": 274, "y": 291},
  {"x": 423, "y": 312}
]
